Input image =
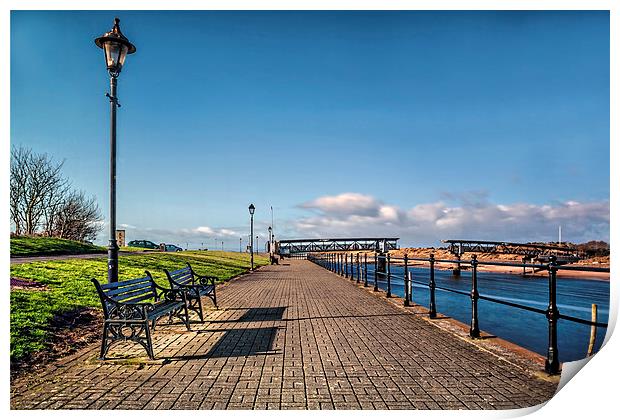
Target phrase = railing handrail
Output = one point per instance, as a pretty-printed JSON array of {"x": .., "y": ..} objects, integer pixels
[{"x": 335, "y": 262}]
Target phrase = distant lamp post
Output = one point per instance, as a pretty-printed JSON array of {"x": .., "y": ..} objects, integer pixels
[
  {"x": 115, "y": 47},
  {"x": 251, "y": 209},
  {"x": 240, "y": 240}
]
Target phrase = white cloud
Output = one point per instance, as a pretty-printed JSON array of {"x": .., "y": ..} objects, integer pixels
[
  {"x": 345, "y": 204},
  {"x": 470, "y": 216}
]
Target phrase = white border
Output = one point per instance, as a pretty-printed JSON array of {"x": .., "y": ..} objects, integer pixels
[{"x": 591, "y": 395}]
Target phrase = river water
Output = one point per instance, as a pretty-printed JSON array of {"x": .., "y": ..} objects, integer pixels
[{"x": 528, "y": 329}]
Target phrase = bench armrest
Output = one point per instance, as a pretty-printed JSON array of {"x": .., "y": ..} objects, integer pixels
[
  {"x": 128, "y": 311},
  {"x": 170, "y": 294},
  {"x": 205, "y": 280}
]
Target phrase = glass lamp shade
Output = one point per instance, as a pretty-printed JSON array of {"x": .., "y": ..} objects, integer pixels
[
  {"x": 251, "y": 208},
  {"x": 115, "y": 48},
  {"x": 115, "y": 54}
]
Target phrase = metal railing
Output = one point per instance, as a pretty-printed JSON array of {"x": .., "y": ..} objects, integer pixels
[{"x": 355, "y": 267}]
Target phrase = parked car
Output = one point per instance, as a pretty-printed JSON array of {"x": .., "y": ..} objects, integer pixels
[
  {"x": 143, "y": 244},
  {"x": 173, "y": 248}
]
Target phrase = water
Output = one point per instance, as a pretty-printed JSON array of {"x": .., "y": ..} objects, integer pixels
[{"x": 528, "y": 329}]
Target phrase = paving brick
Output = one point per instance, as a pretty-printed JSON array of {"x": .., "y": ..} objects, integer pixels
[{"x": 293, "y": 336}]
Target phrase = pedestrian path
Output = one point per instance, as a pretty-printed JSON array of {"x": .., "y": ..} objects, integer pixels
[{"x": 293, "y": 336}]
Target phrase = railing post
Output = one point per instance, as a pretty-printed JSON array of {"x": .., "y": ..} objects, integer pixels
[
  {"x": 406, "y": 282},
  {"x": 474, "y": 330},
  {"x": 552, "y": 364},
  {"x": 346, "y": 266},
  {"x": 432, "y": 309},
  {"x": 357, "y": 262},
  {"x": 365, "y": 270},
  {"x": 376, "y": 289},
  {"x": 389, "y": 276}
]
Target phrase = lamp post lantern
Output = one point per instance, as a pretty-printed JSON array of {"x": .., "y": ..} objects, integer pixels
[
  {"x": 251, "y": 209},
  {"x": 115, "y": 47}
]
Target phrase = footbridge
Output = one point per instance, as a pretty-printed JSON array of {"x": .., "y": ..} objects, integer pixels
[
  {"x": 531, "y": 250},
  {"x": 302, "y": 246},
  {"x": 564, "y": 254}
]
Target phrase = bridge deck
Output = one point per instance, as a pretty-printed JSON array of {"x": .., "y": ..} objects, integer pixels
[{"x": 291, "y": 336}]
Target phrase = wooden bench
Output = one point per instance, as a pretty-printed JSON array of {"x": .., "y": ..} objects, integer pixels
[
  {"x": 132, "y": 307},
  {"x": 195, "y": 285}
]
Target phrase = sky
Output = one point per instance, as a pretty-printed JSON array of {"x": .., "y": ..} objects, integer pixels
[{"x": 418, "y": 125}]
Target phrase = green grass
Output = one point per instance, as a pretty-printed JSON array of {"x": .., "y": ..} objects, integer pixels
[
  {"x": 23, "y": 246},
  {"x": 69, "y": 287},
  {"x": 133, "y": 249}
]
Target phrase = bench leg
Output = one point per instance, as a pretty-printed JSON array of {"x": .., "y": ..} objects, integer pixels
[
  {"x": 104, "y": 342},
  {"x": 149, "y": 343},
  {"x": 200, "y": 308},
  {"x": 214, "y": 298},
  {"x": 187, "y": 316}
]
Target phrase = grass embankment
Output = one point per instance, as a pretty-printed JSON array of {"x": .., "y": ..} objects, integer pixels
[
  {"x": 68, "y": 288},
  {"x": 27, "y": 246}
]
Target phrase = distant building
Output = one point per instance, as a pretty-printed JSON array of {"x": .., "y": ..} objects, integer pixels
[{"x": 120, "y": 237}]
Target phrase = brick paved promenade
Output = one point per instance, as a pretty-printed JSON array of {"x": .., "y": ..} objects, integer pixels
[{"x": 291, "y": 336}]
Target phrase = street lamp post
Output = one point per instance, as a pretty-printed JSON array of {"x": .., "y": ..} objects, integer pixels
[
  {"x": 251, "y": 209},
  {"x": 115, "y": 47},
  {"x": 270, "y": 241},
  {"x": 240, "y": 240}
]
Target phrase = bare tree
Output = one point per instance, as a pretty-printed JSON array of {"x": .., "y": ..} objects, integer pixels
[
  {"x": 78, "y": 218},
  {"x": 36, "y": 181},
  {"x": 42, "y": 200},
  {"x": 19, "y": 179}
]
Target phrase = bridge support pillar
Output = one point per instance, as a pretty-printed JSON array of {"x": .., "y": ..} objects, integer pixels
[
  {"x": 457, "y": 271},
  {"x": 381, "y": 266}
]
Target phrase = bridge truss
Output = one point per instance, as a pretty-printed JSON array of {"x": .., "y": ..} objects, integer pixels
[
  {"x": 300, "y": 246},
  {"x": 460, "y": 246}
]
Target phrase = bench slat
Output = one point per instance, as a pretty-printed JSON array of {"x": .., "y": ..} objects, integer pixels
[
  {"x": 138, "y": 299},
  {"x": 180, "y": 271},
  {"x": 143, "y": 293},
  {"x": 132, "y": 288},
  {"x": 163, "y": 309},
  {"x": 182, "y": 278},
  {"x": 107, "y": 286}
]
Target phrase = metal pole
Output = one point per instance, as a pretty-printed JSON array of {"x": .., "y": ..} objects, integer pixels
[
  {"x": 357, "y": 262},
  {"x": 406, "y": 282},
  {"x": 552, "y": 364},
  {"x": 474, "y": 330},
  {"x": 389, "y": 276},
  {"x": 251, "y": 242},
  {"x": 365, "y": 270},
  {"x": 376, "y": 289},
  {"x": 346, "y": 266},
  {"x": 432, "y": 309},
  {"x": 113, "y": 245}
]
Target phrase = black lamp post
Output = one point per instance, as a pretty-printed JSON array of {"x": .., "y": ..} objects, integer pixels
[
  {"x": 270, "y": 241},
  {"x": 240, "y": 240},
  {"x": 251, "y": 209},
  {"x": 115, "y": 47}
]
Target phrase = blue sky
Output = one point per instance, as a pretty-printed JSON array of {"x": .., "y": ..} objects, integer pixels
[{"x": 423, "y": 125}]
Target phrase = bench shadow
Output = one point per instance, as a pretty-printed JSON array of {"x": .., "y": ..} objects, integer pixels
[
  {"x": 239, "y": 342},
  {"x": 254, "y": 315}
]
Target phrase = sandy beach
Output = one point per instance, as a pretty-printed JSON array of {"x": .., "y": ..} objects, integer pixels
[{"x": 442, "y": 254}]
